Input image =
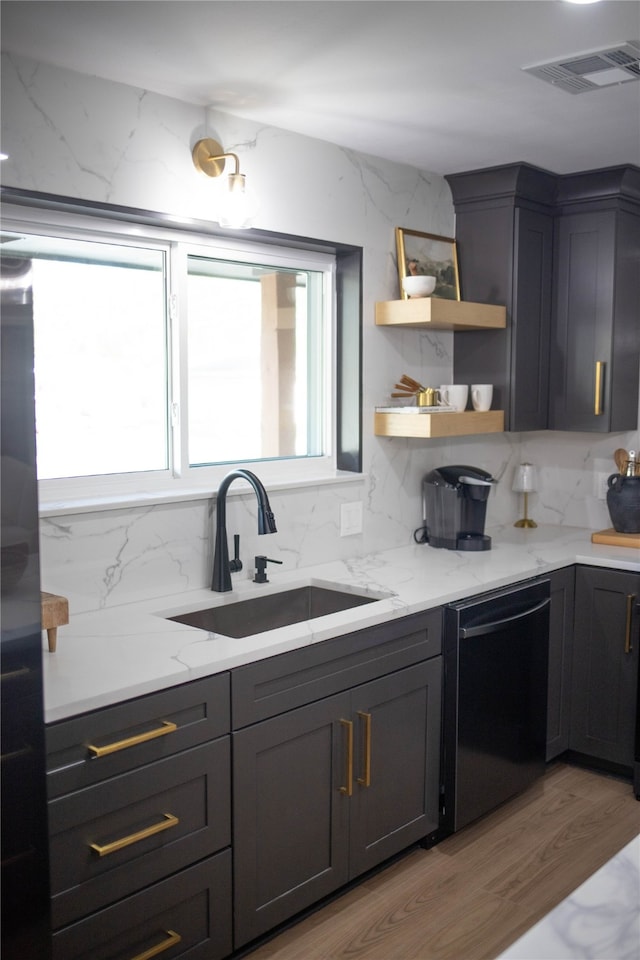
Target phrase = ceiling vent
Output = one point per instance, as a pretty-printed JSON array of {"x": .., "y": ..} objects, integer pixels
[{"x": 590, "y": 71}]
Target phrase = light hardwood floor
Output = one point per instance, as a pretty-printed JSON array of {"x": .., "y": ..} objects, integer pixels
[{"x": 472, "y": 895}]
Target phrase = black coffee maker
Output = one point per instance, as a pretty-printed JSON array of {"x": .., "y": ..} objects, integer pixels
[{"x": 454, "y": 506}]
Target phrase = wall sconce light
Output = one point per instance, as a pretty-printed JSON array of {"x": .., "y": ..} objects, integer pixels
[
  {"x": 237, "y": 207},
  {"x": 525, "y": 480}
]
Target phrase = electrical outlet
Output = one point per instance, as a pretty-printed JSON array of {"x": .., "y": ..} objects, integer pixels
[
  {"x": 600, "y": 485},
  {"x": 350, "y": 518}
]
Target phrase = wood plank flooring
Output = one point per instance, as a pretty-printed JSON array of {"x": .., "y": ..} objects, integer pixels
[{"x": 472, "y": 895}]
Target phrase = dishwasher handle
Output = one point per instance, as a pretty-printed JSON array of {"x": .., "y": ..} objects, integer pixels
[{"x": 485, "y": 628}]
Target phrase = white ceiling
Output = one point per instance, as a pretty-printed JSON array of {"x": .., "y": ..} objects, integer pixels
[{"x": 437, "y": 84}]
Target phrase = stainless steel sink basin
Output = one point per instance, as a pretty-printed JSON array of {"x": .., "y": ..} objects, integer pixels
[{"x": 259, "y": 614}]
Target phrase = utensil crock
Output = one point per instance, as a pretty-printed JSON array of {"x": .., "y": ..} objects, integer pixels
[{"x": 623, "y": 501}]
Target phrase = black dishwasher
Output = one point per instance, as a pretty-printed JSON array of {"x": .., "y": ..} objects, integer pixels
[{"x": 495, "y": 699}]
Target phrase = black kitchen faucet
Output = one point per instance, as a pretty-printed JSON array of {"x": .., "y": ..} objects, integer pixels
[{"x": 266, "y": 524}]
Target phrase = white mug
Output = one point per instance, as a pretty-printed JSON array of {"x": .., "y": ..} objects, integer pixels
[
  {"x": 455, "y": 395},
  {"x": 481, "y": 396}
]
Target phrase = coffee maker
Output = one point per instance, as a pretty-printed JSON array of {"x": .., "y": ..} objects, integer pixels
[{"x": 454, "y": 506}]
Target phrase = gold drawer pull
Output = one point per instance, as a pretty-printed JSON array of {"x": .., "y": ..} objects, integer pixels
[
  {"x": 15, "y": 674},
  {"x": 348, "y": 789},
  {"x": 598, "y": 400},
  {"x": 166, "y": 824},
  {"x": 365, "y": 780},
  {"x": 167, "y": 727},
  {"x": 174, "y": 938},
  {"x": 627, "y": 633},
  {"x": 16, "y": 754}
]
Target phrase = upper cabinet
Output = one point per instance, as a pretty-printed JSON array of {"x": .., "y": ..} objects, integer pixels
[
  {"x": 596, "y": 331},
  {"x": 561, "y": 252},
  {"x": 504, "y": 234}
]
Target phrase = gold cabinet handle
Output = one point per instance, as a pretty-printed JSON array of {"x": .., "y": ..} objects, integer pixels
[
  {"x": 15, "y": 674},
  {"x": 348, "y": 789},
  {"x": 166, "y": 824},
  {"x": 628, "y": 647},
  {"x": 598, "y": 404},
  {"x": 172, "y": 939},
  {"x": 365, "y": 780},
  {"x": 16, "y": 754},
  {"x": 167, "y": 727}
]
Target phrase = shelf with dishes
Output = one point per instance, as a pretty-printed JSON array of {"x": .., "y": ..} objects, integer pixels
[
  {"x": 413, "y": 422},
  {"x": 440, "y": 314}
]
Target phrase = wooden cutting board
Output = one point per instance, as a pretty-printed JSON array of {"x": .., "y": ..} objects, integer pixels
[
  {"x": 54, "y": 614},
  {"x": 615, "y": 539}
]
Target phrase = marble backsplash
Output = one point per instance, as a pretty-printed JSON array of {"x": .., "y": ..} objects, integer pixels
[
  {"x": 84, "y": 137},
  {"x": 120, "y": 556}
]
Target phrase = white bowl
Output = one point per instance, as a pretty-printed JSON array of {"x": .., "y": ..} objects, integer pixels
[{"x": 418, "y": 286}]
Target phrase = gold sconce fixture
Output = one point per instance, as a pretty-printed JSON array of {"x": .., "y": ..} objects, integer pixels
[
  {"x": 237, "y": 207},
  {"x": 525, "y": 481}
]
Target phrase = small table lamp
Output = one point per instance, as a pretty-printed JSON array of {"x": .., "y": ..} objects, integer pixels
[{"x": 525, "y": 481}]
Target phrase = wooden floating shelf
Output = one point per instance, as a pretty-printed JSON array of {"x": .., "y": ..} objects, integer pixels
[
  {"x": 438, "y": 314},
  {"x": 429, "y": 425}
]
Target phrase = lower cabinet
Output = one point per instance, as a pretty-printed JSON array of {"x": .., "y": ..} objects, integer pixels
[
  {"x": 326, "y": 760},
  {"x": 139, "y": 817},
  {"x": 113, "y": 838},
  {"x": 560, "y": 660},
  {"x": 327, "y": 790},
  {"x": 332, "y": 755},
  {"x": 395, "y": 792},
  {"x": 605, "y": 664},
  {"x": 331, "y": 789},
  {"x": 290, "y": 816},
  {"x": 186, "y": 915}
]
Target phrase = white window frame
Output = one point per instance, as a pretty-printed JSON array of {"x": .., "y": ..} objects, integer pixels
[{"x": 180, "y": 481}]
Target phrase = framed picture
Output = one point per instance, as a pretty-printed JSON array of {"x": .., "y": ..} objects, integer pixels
[{"x": 426, "y": 254}]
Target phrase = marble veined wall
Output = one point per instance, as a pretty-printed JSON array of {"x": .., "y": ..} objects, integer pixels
[{"x": 84, "y": 137}]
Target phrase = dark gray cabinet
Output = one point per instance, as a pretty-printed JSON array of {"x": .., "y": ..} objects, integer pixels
[
  {"x": 395, "y": 793},
  {"x": 139, "y": 793},
  {"x": 186, "y": 915},
  {"x": 114, "y": 838},
  {"x": 605, "y": 664},
  {"x": 329, "y": 788},
  {"x": 560, "y": 660},
  {"x": 290, "y": 819},
  {"x": 97, "y": 746},
  {"x": 504, "y": 233},
  {"x": 561, "y": 252},
  {"x": 596, "y": 329}
]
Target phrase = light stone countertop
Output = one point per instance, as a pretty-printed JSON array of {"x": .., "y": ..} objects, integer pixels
[
  {"x": 122, "y": 652},
  {"x": 600, "y": 920}
]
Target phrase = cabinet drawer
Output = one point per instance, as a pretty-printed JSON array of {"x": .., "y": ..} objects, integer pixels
[
  {"x": 194, "y": 905},
  {"x": 269, "y": 687},
  {"x": 133, "y": 733},
  {"x": 142, "y": 825}
]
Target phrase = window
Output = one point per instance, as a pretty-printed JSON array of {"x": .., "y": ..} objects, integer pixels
[
  {"x": 164, "y": 355},
  {"x": 100, "y": 362},
  {"x": 256, "y": 343}
]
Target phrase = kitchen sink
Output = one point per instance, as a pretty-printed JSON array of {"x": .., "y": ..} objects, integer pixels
[{"x": 259, "y": 614}]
